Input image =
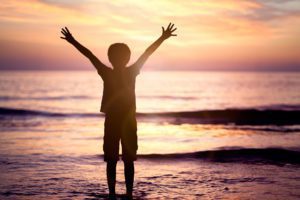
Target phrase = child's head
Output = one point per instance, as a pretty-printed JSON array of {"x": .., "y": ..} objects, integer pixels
[{"x": 118, "y": 54}]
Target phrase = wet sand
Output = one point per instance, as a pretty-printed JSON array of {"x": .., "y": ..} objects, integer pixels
[{"x": 72, "y": 177}]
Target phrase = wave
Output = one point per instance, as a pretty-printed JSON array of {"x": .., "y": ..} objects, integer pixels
[
  {"x": 237, "y": 154},
  {"x": 268, "y": 128},
  {"x": 277, "y": 155},
  {"x": 168, "y": 97},
  {"x": 280, "y": 107},
  {"x": 226, "y": 116},
  {"x": 234, "y": 116},
  {"x": 9, "y": 98},
  {"x": 26, "y": 112},
  {"x": 80, "y": 97}
]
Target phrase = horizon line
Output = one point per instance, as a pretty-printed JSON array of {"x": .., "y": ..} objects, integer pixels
[{"x": 170, "y": 70}]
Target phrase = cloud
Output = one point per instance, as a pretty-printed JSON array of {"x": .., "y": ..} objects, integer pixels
[
  {"x": 221, "y": 25},
  {"x": 270, "y": 10}
]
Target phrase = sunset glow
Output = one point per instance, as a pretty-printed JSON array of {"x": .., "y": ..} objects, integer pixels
[{"x": 221, "y": 35}]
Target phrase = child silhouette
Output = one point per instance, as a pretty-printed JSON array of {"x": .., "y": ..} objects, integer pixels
[{"x": 119, "y": 104}]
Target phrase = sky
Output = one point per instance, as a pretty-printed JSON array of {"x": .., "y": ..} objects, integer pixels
[{"x": 212, "y": 35}]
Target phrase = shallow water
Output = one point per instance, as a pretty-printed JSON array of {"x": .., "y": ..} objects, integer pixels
[
  {"x": 61, "y": 158},
  {"x": 54, "y": 177}
]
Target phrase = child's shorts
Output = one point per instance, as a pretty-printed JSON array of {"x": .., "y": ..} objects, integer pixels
[{"x": 120, "y": 127}]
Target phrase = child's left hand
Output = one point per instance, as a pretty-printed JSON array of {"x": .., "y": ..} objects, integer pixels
[{"x": 68, "y": 36}]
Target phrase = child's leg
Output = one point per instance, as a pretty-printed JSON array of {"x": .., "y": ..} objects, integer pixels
[
  {"x": 129, "y": 176},
  {"x": 111, "y": 150},
  {"x": 111, "y": 176},
  {"x": 129, "y": 149}
]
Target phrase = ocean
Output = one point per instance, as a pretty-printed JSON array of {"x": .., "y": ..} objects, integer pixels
[{"x": 208, "y": 135}]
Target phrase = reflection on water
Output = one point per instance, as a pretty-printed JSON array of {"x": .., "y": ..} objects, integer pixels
[{"x": 83, "y": 136}]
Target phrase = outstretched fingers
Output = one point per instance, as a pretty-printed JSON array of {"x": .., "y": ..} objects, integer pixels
[
  {"x": 66, "y": 33},
  {"x": 67, "y": 30},
  {"x": 172, "y": 29},
  {"x": 169, "y": 30},
  {"x": 63, "y": 31},
  {"x": 169, "y": 26}
]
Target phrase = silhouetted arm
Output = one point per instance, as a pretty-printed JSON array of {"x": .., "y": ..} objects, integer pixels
[
  {"x": 86, "y": 52},
  {"x": 165, "y": 35}
]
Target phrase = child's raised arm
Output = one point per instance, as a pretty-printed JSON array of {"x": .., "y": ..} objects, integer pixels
[
  {"x": 86, "y": 52},
  {"x": 165, "y": 35}
]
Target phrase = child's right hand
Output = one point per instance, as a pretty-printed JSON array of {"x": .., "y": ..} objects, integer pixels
[
  {"x": 168, "y": 32},
  {"x": 68, "y": 36}
]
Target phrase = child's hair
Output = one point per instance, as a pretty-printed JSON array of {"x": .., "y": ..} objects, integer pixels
[{"x": 118, "y": 54}]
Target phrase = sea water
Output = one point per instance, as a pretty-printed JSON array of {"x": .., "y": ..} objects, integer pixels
[{"x": 51, "y": 134}]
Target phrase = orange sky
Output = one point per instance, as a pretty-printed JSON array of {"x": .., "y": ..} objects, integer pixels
[{"x": 217, "y": 35}]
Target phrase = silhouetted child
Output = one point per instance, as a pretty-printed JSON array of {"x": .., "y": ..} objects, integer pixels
[{"x": 118, "y": 104}]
